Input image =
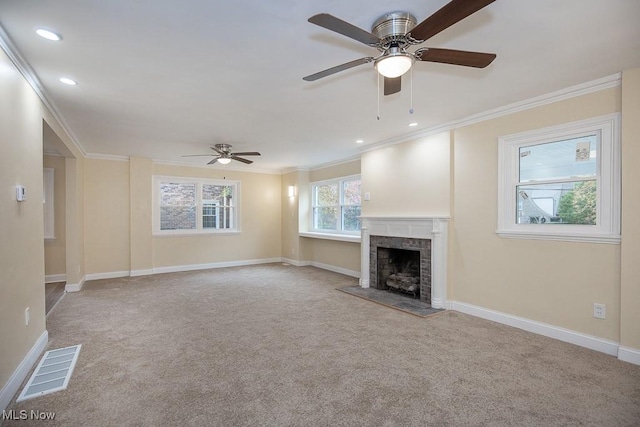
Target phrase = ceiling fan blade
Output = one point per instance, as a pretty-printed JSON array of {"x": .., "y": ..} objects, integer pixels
[
  {"x": 240, "y": 159},
  {"x": 247, "y": 153},
  {"x": 332, "y": 23},
  {"x": 213, "y": 161},
  {"x": 455, "y": 57},
  {"x": 217, "y": 150},
  {"x": 454, "y": 11},
  {"x": 197, "y": 155},
  {"x": 392, "y": 85},
  {"x": 337, "y": 69}
]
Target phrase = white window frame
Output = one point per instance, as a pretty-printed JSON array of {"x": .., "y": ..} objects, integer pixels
[
  {"x": 607, "y": 228},
  {"x": 199, "y": 230},
  {"x": 339, "y": 182}
]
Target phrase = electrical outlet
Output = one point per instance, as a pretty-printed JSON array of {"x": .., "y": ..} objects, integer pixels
[
  {"x": 599, "y": 311},
  {"x": 26, "y": 316}
]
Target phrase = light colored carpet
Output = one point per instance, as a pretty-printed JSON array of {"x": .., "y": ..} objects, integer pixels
[{"x": 276, "y": 345}]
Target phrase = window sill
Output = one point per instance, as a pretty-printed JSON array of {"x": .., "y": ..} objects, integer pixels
[
  {"x": 196, "y": 234},
  {"x": 355, "y": 238},
  {"x": 564, "y": 237}
]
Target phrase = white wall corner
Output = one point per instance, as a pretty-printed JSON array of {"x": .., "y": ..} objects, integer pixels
[
  {"x": 628, "y": 354},
  {"x": 566, "y": 335},
  {"x": 75, "y": 287},
  {"x": 295, "y": 262},
  {"x": 13, "y": 385}
]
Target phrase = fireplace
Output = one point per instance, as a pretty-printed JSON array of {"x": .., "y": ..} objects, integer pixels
[
  {"x": 401, "y": 264},
  {"x": 413, "y": 249}
]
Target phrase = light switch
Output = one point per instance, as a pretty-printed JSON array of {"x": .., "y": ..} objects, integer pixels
[
  {"x": 367, "y": 196},
  {"x": 21, "y": 193}
]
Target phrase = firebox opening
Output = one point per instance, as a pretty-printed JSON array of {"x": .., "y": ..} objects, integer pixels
[{"x": 399, "y": 270}]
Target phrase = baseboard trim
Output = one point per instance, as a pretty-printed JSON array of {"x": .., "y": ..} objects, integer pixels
[
  {"x": 53, "y": 278},
  {"x": 192, "y": 267},
  {"x": 109, "y": 275},
  {"x": 295, "y": 262},
  {"x": 75, "y": 287},
  {"x": 628, "y": 354},
  {"x": 136, "y": 273},
  {"x": 13, "y": 385},
  {"x": 566, "y": 335},
  {"x": 335, "y": 269}
]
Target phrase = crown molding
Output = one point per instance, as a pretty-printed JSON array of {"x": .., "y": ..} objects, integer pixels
[
  {"x": 97, "y": 156},
  {"x": 32, "y": 78},
  {"x": 293, "y": 169},
  {"x": 334, "y": 163},
  {"x": 51, "y": 153},
  {"x": 409, "y": 137},
  {"x": 611, "y": 81}
]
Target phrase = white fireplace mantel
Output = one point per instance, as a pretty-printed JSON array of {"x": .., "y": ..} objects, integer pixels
[{"x": 432, "y": 228}]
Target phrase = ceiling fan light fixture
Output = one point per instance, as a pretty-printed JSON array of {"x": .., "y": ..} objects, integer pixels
[
  {"x": 394, "y": 64},
  {"x": 224, "y": 160}
]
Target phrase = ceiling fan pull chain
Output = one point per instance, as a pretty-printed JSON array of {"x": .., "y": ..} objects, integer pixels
[
  {"x": 378, "y": 117},
  {"x": 411, "y": 90}
]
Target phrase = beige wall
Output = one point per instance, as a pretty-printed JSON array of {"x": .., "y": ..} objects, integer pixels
[
  {"x": 630, "y": 280},
  {"x": 21, "y": 251},
  {"x": 335, "y": 171},
  {"x": 118, "y": 219},
  {"x": 336, "y": 255},
  {"x": 55, "y": 249},
  {"x": 290, "y": 215},
  {"x": 547, "y": 281},
  {"x": 409, "y": 179},
  {"x": 140, "y": 199},
  {"x": 74, "y": 221},
  {"x": 106, "y": 216},
  {"x": 260, "y": 217}
]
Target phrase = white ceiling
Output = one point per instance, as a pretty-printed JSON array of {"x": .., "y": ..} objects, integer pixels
[{"x": 162, "y": 78}]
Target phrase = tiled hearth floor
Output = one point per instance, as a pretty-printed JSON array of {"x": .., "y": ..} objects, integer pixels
[{"x": 393, "y": 300}]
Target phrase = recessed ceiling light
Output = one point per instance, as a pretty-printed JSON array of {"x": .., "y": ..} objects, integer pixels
[
  {"x": 68, "y": 81},
  {"x": 359, "y": 141},
  {"x": 49, "y": 35},
  {"x": 412, "y": 124}
]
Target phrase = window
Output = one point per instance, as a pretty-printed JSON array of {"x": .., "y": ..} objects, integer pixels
[
  {"x": 336, "y": 205},
  {"x": 191, "y": 206},
  {"x": 562, "y": 183}
]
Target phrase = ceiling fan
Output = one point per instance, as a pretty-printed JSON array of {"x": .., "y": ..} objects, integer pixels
[
  {"x": 225, "y": 155},
  {"x": 392, "y": 34}
]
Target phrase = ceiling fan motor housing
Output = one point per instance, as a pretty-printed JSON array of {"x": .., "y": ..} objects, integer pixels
[
  {"x": 392, "y": 28},
  {"x": 225, "y": 148}
]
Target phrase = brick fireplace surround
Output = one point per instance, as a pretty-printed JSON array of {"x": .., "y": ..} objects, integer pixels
[{"x": 430, "y": 228}]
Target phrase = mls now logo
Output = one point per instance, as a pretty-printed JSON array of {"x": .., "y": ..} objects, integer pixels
[{"x": 27, "y": 415}]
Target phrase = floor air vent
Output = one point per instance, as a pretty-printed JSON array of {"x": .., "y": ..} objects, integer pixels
[{"x": 52, "y": 373}]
